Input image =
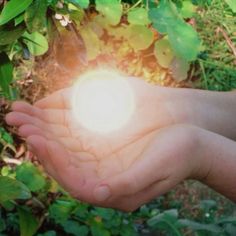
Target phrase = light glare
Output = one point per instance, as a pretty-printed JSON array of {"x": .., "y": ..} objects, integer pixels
[{"x": 103, "y": 101}]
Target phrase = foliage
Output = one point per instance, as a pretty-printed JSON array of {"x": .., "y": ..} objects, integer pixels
[
  {"x": 32, "y": 203},
  {"x": 27, "y": 28}
]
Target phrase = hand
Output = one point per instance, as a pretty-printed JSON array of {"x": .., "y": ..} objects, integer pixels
[{"x": 81, "y": 161}]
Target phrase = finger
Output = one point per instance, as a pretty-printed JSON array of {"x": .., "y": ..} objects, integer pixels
[
  {"x": 28, "y": 130},
  {"x": 54, "y": 116},
  {"x": 57, "y": 100},
  {"x": 157, "y": 163},
  {"x": 19, "y": 119},
  {"x": 38, "y": 145},
  {"x": 77, "y": 178}
]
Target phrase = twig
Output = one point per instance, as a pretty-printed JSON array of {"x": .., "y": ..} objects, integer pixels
[
  {"x": 228, "y": 40},
  {"x": 12, "y": 161}
]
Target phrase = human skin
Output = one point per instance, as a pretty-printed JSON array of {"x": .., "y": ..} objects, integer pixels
[{"x": 144, "y": 159}]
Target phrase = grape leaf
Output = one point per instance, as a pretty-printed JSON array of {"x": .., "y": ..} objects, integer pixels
[
  {"x": 138, "y": 16},
  {"x": 12, "y": 9},
  {"x": 139, "y": 37},
  {"x": 111, "y": 9}
]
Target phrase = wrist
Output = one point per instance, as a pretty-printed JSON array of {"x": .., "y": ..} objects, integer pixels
[{"x": 213, "y": 111}]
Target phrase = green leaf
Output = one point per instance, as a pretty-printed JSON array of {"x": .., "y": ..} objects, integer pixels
[
  {"x": 48, "y": 233},
  {"x": 179, "y": 69},
  {"x": 12, "y": 9},
  {"x": 6, "y": 73},
  {"x": 183, "y": 38},
  {"x": 232, "y": 5},
  {"x": 35, "y": 15},
  {"x": 167, "y": 221},
  {"x": 11, "y": 189},
  {"x": 184, "y": 41},
  {"x": 74, "y": 228},
  {"x": 198, "y": 226},
  {"x": 37, "y": 43},
  {"x": 28, "y": 223},
  {"x": 30, "y": 176},
  {"x": 5, "y": 136},
  {"x": 138, "y": 16},
  {"x": 106, "y": 214},
  {"x": 19, "y": 19},
  {"x": 163, "y": 52},
  {"x": 80, "y": 3},
  {"x": 111, "y": 9},
  {"x": 98, "y": 229},
  {"x": 10, "y": 35},
  {"x": 188, "y": 9},
  {"x": 139, "y": 37},
  {"x": 61, "y": 210},
  {"x": 165, "y": 15}
]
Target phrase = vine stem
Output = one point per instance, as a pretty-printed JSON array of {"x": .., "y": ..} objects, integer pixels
[
  {"x": 204, "y": 73},
  {"x": 135, "y": 5}
]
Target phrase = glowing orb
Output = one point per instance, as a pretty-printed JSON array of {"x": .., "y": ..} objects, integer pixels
[{"x": 102, "y": 101}]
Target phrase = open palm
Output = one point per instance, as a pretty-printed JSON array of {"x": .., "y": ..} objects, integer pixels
[{"x": 79, "y": 159}]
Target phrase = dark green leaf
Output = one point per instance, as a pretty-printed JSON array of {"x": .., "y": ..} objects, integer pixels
[
  {"x": 184, "y": 41},
  {"x": 198, "y": 226},
  {"x": 74, "y": 228},
  {"x": 106, "y": 214},
  {"x": 48, "y": 233},
  {"x": 61, "y": 210},
  {"x": 28, "y": 223},
  {"x": 9, "y": 35},
  {"x": 167, "y": 221},
  {"x": 11, "y": 189},
  {"x": 30, "y": 176},
  {"x": 35, "y": 15},
  {"x": 165, "y": 15},
  {"x": 12, "y": 9},
  {"x": 6, "y": 73},
  {"x": 98, "y": 229}
]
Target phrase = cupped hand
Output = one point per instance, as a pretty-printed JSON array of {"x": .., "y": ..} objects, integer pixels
[{"x": 141, "y": 158}]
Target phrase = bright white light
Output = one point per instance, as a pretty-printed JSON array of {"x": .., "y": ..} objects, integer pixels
[{"x": 102, "y": 101}]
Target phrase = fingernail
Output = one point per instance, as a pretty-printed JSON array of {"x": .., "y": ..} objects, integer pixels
[{"x": 102, "y": 193}]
